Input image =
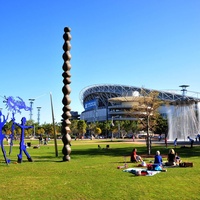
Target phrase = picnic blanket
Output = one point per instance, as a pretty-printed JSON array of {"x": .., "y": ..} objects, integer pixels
[{"x": 141, "y": 171}]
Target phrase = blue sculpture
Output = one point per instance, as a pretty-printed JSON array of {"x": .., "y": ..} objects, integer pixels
[
  {"x": 15, "y": 106},
  {"x": 22, "y": 146},
  {"x": 2, "y": 136},
  {"x": 12, "y": 132}
]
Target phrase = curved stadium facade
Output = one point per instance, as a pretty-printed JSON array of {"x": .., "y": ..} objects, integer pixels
[{"x": 105, "y": 102}]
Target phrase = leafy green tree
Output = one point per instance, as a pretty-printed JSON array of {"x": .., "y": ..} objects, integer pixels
[
  {"x": 97, "y": 131},
  {"x": 122, "y": 128},
  {"x": 7, "y": 128},
  {"x": 103, "y": 127},
  {"x": 73, "y": 127},
  {"x": 49, "y": 131},
  {"x": 18, "y": 130},
  {"x": 128, "y": 126},
  {"x": 81, "y": 126},
  {"x": 40, "y": 131},
  {"x": 160, "y": 125},
  {"x": 30, "y": 122},
  {"x": 119, "y": 127},
  {"x": 144, "y": 109}
]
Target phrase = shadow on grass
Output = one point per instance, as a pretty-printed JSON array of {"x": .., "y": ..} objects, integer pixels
[
  {"x": 126, "y": 151},
  {"x": 115, "y": 151}
]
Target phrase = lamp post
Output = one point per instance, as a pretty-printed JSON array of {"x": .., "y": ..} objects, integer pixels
[
  {"x": 31, "y": 107},
  {"x": 38, "y": 109}
]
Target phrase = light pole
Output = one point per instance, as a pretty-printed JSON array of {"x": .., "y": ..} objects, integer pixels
[
  {"x": 38, "y": 109},
  {"x": 31, "y": 107}
]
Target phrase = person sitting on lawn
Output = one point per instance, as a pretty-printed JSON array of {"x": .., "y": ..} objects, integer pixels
[
  {"x": 135, "y": 157},
  {"x": 158, "y": 158},
  {"x": 177, "y": 158},
  {"x": 171, "y": 158}
]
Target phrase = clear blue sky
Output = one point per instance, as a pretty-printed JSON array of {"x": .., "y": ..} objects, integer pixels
[{"x": 149, "y": 43}]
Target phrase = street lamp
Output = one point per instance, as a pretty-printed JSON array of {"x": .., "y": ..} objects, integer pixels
[
  {"x": 38, "y": 108},
  {"x": 31, "y": 107}
]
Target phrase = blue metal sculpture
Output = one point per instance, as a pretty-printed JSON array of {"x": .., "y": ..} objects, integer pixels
[
  {"x": 15, "y": 106},
  {"x": 22, "y": 146},
  {"x": 12, "y": 135},
  {"x": 2, "y": 136}
]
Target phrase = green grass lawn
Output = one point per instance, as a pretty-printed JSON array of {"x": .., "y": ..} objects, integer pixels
[{"x": 92, "y": 173}]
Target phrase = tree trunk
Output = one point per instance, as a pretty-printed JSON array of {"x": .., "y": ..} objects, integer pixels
[
  {"x": 148, "y": 144},
  {"x": 148, "y": 138}
]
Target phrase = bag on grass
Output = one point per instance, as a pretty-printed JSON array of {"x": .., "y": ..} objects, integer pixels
[
  {"x": 157, "y": 167},
  {"x": 144, "y": 164}
]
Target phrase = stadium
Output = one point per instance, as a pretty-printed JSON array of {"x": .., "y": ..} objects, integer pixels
[
  {"x": 112, "y": 102},
  {"x": 106, "y": 101}
]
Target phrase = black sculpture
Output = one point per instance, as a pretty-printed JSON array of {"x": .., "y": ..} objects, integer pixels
[{"x": 66, "y": 92}]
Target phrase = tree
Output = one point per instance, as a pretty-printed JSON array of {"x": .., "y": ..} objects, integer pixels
[
  {"x": 97, "y": 131},
  {"x": 81, "y": 126},
  {"x": 40, "y": 131},
  {"x": 160, "y": 125},
  {"x": 48, "y": 129},
  {"x": 144, "y": 108},
  {"x": 7, "y": 128},
  {"x": 73, "y": 127},
  {"x": 128, "y": 126}
]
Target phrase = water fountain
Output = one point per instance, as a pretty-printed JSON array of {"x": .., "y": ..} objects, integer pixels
[{"x": 183, "y": 120}]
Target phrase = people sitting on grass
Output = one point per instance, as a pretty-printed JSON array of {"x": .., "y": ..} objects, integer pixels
[
  {"x": 135, "y": 157},
  {"x": 177, "y": 159},
  {"x": 158, "y": 158},
  {"x": 171, "y": 159}
]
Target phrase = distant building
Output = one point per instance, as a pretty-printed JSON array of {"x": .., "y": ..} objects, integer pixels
[
  {"x": 106, "y": 102},
  {"x": 74, "y": 115}
]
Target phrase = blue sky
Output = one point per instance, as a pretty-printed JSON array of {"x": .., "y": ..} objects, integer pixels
[{"x": 143, "y": 43}]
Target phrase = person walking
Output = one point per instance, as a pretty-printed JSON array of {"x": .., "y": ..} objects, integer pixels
[
  {"x": 175, "y": 142},
  {"x": 191, "y": 141}
]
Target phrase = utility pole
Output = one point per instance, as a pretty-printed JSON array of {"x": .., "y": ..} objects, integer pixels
[
  {"x": 38, "y": 108},
  {"x": 31, "y": 106}
]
